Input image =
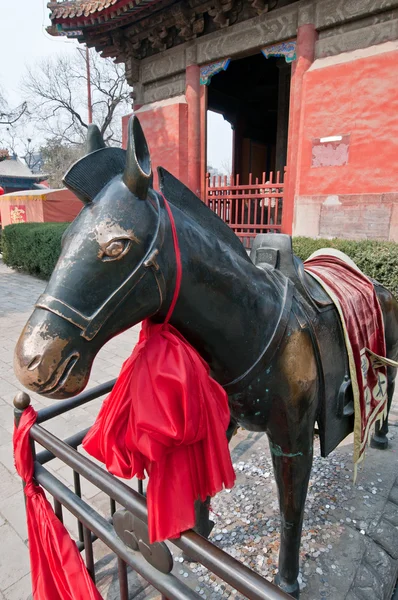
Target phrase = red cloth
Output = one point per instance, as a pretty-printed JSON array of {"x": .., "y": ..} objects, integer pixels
[
  {"x": 363, "y": 322},
  {"x": 168, "y": 417},
  {"x": 57, "y": 569}
]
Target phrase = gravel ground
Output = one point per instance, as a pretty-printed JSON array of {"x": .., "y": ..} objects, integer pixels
[{"x": 247, "y": 519}]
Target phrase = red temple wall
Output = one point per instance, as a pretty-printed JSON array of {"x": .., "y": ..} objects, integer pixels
[
  {"x": 349, "y": 187},
  {"x": 165, "y": 126}
]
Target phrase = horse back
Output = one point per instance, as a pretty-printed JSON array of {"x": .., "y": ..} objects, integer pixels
[{"x": 316, "y": 312}]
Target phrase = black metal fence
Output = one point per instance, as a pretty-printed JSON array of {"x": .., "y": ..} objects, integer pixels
[{"x": 125, "y": 531}]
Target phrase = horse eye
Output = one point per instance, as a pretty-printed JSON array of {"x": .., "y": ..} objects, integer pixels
[{"x": 116, "y": 249}]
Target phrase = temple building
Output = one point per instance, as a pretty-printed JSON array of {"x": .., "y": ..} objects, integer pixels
[
  {"x": 16, "y": 175},
  {"x": 309, "y": 88}
]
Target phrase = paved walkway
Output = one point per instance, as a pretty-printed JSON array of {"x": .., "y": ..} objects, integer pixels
[
  {"x": 18, "y": 292},
  {"x": 350, "y": 537}
]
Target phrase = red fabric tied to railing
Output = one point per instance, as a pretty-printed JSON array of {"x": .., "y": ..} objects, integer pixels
[{"x": 57, "y": 569}]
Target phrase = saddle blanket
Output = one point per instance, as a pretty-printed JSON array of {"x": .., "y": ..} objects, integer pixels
[{"x": 356, "y": 301}]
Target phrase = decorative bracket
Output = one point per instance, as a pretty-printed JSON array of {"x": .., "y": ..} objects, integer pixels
[
  {"x": 260, "y": 6},
  {"x": 207, "y": 71},
  {"x": 287, "y": 50},
  {"x": 225, "y": 12},
  {"x": 134, "y": 533}
]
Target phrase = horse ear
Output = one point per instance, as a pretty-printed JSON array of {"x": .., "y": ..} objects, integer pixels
[
  {"x": 138, "y": 172},
  {"x": 95, "y": 140}
]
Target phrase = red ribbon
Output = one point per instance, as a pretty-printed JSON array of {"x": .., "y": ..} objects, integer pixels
[
  {"x": 168, "y": 417},
  {"x": 57, "y": 569}
]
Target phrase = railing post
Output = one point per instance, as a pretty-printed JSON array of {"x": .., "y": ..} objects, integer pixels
[{"x": 21, "y": 403}]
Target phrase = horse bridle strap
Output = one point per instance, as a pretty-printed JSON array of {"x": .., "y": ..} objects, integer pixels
[
  {"x": 287, "y": 291},
  {"x": 91, "y": 324}
]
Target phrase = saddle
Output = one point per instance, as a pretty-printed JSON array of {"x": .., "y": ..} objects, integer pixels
[
  {"x": 315, "y": 311},
  {"x": 276, "y": 251}
]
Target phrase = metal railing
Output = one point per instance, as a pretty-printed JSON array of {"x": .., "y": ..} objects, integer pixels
[
  {"x": 93, "y": 526},
  {"x": 249, "y": 209}
]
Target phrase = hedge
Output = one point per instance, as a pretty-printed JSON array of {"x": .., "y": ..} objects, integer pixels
[
  {"x": 376, "y": 259},
  {"x": 35, "y": 247}
]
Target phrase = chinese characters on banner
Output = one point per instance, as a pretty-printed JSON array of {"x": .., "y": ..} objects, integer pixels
[{"x": 17, "y": 214}]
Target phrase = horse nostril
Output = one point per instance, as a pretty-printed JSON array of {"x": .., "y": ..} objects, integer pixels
[{"x": 34, "y": 363}]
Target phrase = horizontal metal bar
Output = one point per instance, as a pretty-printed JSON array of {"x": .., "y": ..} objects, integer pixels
[
  {"x": 74, "y": 441},
  {"x": 226, "y": 567},
  {"x": 169, "y": 585},
  {"x": 66, "y": 405}
]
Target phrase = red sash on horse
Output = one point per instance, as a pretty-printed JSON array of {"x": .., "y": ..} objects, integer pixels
[
  {"x": 168, "y": 417},
  {"x": 356, "y": 301}
]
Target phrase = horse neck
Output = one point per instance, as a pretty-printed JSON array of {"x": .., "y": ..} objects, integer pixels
[{"x": 227, "y": 307}]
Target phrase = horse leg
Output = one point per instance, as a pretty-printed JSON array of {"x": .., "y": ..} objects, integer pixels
[
  {"x": 380, "y": 439},
  {"x": 204, "y": 524},
  {"x": 292, "y": 467}
]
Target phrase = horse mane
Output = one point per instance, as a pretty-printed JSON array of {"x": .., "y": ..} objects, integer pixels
[{"x": 180, "y": 196}]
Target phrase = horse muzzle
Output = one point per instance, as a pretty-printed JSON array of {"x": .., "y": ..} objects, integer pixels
[{"x": 47, "y": 362}]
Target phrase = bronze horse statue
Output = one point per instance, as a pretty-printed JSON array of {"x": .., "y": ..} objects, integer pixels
[{"x": 269, "y": 333}]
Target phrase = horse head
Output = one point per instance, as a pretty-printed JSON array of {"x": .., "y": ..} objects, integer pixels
[{"x": 109, "y": 250}]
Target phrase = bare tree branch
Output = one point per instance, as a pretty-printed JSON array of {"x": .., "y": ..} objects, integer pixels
[
  {"x": 9, "y": 116},
  {"x": 57, "y": 93}
]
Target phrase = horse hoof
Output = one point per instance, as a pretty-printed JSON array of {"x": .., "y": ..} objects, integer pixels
[
  {"x": 293, "y": 589},
  {"x": 379, "y": 441}
]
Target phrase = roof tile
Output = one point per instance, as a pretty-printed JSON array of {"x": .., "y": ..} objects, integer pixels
[
  {"x": 72, "y": 9},
  {"x": 13, "y": 167}
]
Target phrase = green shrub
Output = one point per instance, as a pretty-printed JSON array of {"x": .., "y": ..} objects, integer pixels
[
  {"x": 376, "y": 259},
  {"x": 33, "y": 247}
]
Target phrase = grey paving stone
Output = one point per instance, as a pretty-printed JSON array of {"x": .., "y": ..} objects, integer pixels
[
  {"x": 386, "y": 535},
  {"x": 5, "y": 436},
  {"x": 393, "y": 497},
  {"x": 10, "y": 485},
  {"x": 391, "y": 513},
  {"x": 14, "y": 512},
  {"x": 14, "y": 559},
  {"x": 21, "y": 590}
]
